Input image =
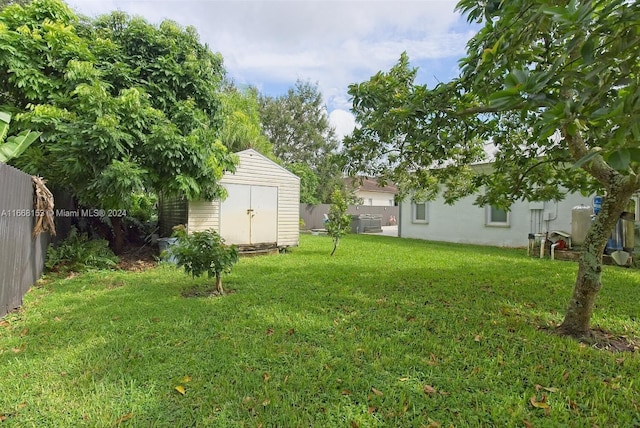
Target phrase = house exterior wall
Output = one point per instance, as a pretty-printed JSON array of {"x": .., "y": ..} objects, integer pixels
[
  {"x": 464, "y": 222},
  {"x": 256, "y": 170},
  {"x": 379, "y": 199}
]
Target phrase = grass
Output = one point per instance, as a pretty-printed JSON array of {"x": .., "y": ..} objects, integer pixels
[{"x": 388, "y": 332}]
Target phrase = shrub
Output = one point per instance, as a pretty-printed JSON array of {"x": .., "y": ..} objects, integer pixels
[
  {"x": 204, "y": 252},
  {"x": 79, "y": 253},
  {"x": 339, "y": 222}
]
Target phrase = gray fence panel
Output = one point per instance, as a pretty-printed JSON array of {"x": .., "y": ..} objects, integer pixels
[
  {"x": 21, "y": 256},
  {"x": 313, "y": 215}
]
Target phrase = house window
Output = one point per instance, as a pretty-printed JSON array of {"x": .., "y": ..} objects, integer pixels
[
  {"x": 419, "y": 212},
  {"x": 497, "y": 217}
]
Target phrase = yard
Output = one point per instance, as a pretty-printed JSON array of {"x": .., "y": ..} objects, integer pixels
[{"x": 388, "y": 332}]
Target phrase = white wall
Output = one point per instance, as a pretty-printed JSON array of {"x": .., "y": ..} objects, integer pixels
[
  {"x": 379, "y": 199},
  {"x": 464, "y": 222}
]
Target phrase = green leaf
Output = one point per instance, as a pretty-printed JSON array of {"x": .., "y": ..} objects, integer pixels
[
  {"x": 587, "y": 158},
  {"x": 634, "y": 154},
  {"x": 619, "y": 159},
  {"x": 505, "y": 99},
  {"x": 587, "y": 51},
  {"x": 15, "y": 146}
]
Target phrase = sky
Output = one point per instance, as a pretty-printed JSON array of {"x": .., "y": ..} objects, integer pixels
[{"x": 270, "y": 44}]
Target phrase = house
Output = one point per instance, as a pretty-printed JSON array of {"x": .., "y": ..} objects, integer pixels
[
  {"x": 261, "y": 209},
  {"x": 371, "y": 193},
  {"x": 464, "y": 222}
]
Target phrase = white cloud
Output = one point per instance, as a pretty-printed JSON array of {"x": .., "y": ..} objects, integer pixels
[
  {"x": 343, "y": 121},
  {"x": 271, "y": 43}
]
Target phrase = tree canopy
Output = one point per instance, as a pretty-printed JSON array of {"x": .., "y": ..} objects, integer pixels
[
  {"x": 548, "y": 93},
  {"x": 242, "y": 127},
  {"x": 122, "y": 105},
  {"x": 297, "y": 124}
]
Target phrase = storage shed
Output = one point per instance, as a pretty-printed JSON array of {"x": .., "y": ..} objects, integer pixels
[{"x": 260, "y": 211}]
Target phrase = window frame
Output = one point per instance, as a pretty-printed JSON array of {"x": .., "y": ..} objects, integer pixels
[
  {"x": 414, "y": 212},
  {"x": 489, "y": 222}
]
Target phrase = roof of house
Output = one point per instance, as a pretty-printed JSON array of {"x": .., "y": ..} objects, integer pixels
[{"x": 371, "y": 185}]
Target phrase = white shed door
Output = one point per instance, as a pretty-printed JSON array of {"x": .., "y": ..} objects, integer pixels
[{"x": 249, "y": 215}]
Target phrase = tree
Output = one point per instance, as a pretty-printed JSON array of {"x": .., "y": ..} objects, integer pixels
[
  {"x": 297, "y": 124},
  {"x": 204, "y": 252},
  {"x": 15, "y": 144},
  {"x": 550, "y": 87},
  {"x": 308, "y": 182},
  {"x": 241, "y": 121},
  {"x": 123, "y": 106},
  {"x": 339, "y": 222}
]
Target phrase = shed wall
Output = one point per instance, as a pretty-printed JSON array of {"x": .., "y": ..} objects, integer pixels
[{"x": 255, "y": 169}]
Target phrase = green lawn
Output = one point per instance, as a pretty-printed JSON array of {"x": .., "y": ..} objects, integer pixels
[{"x": 388, "y": 332}]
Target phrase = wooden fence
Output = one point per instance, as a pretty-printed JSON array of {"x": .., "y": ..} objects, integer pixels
[
  {"x": 21, "y": 256},
  {"x": 313, "y": 215}
]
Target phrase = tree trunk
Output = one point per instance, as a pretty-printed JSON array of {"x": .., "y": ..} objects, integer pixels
[
  {"x": 118, "y": 234},
  {"x": 219, "y": 284},
  {"x": 335, "y": 245},
  {"x": 588, "y": 281}
]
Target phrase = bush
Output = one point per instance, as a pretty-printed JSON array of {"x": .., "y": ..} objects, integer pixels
[
  {"x": 204, "y": 252},
  {"x": 79, "y": 253}
]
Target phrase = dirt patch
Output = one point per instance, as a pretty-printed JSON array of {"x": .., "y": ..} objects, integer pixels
[
  {"x": 606, "y": 341},
  {"x": 205, "y": 292},
  {"x": 138, "y": 259}
]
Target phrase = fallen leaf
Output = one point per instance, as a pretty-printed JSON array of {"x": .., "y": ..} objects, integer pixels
[
  {"x": 433, "y": 424},
  {"x": 376, "y": 391},
  {"x": 180, "y": 389},
  {"x": 266, "y": 402},
  {"x": 573, "y": 405},
  {"x": 124, "y": 418},
  {"x": 246, "y": 399},
  {"x": 565, "y": 375},
  {"x": 527, "y": 424},
  {"x": 550, "y": 389},
  {"x": 269, "y": 331},
  {"x": 24, "y": 332},
  {"x": 286, "y": 378},
  {"x": 16, "y": 350},
  {"x": 3, "y": 418},
  {"x": 354, "y": 424},
  {"x": 345, "y": 392},
  {"x": 405, "y": 408},
  {"x": 428, "y": 389},
  {"x": 265, "y": 376},
  {"x": 185, "y": 379},
  {"x": 372, "y": 409},
  {"x": 22, "y": 405},
  {"x": 478, "y": 338},
  {"x": 403, "y": 379},
  {"x": 290, "y": 331},
  {"x": 433, "y": 360},
  {"x": 539, "y": 404},
  {"x": 4, "y": 323}
]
